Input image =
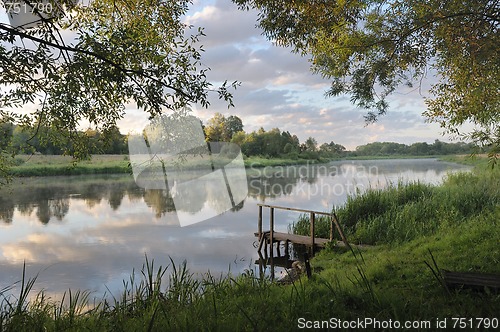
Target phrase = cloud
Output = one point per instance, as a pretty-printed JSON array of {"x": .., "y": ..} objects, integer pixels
[
  {"x": 223, "y": 23},
  {"x": 279, "y": 90}
]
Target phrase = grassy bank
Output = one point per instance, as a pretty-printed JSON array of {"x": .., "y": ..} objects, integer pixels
[
  {"x": 405, "y": 212},
  {"x": 395, "y": 156},
  {"x": 418, "y": 229},
  {"x": 52, "y": 165}
]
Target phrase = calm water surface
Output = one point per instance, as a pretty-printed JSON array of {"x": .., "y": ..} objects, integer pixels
[{"x": 90, "y": 232}]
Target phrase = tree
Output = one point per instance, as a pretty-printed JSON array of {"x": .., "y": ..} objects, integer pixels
[
  {"x": 6, "y": 130},
  {"x": 232, "y": 125},
  {"x": 119, "y": 52},
  {"x": 332, "y": 148},
  {"x": 370, "y": 48},
  {"x": 311, "y": 144},
  {"x": 215, "y": 128},
  {"x": 221, "y": 129}
]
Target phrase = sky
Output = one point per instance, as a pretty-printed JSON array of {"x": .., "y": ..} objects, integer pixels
[{"x": 279, "y": 90}]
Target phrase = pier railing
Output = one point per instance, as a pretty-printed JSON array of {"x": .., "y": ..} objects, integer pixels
[{"x": 313, "y": 242}]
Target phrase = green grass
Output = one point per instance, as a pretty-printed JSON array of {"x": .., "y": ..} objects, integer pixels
[
  {"x": 480, "y": 161},
  {"x": 395, "y": 156},
  {"x": 258, "y": 162},
  {"x": 51, "y": 165},
  {"x": 40, "y": 165},
  {"x": 405, "y": 212}
]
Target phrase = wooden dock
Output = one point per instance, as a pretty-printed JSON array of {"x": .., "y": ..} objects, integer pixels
[
  {"x": 293, "y": 238},
  {"x": 272, "y": 240}
]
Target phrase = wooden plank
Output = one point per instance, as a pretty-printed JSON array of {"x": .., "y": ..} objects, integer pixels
[
  {"x": 297, "y": 239},
  {"x": 471, "y": 279},
  {"x": 293, "y": 209}
]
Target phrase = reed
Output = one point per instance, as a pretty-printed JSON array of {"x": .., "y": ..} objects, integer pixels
[{"x": 405, "y": 212}]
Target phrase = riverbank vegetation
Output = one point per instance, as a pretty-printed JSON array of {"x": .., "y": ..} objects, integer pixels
[
  {"x": 406, "y": 212},
  {"x": 27, "y": 151},
  {"x": 416, "y": 230}
]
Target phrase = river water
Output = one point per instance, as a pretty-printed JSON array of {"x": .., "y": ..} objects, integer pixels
[{"x": 90, "y": 232}]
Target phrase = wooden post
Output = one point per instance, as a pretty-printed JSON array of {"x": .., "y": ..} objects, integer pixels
[
  {"x": 262, "y": 265},
  {"x": 308, "y": 265},
  {"x": 337, "y": 224},
  {"x": 331, "y": 228},
  {"x": 311, "y": 220},
  {"x": 260, "y": 222},
  {"x": 271, "y": 240}
]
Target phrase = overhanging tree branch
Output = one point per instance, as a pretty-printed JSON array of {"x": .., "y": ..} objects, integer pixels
[{"x": 98, "y": 56}]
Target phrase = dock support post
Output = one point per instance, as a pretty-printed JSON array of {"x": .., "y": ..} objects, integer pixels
[
  {"x": 311, "y": 219},
  {"x": 332, "y": 225},
  {"x": 271, "y": 240},
  {"x": 260, "y": 221},
  {"x": 308, "y": 265}
]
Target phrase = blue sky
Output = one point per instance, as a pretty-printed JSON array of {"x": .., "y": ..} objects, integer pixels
[{"x": 279, "y": 90}]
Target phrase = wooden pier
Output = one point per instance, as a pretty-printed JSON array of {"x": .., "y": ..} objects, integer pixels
[{"x": 271, "y": 239}]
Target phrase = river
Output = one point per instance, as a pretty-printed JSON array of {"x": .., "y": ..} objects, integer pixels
[{"x": 90, "y": 232}]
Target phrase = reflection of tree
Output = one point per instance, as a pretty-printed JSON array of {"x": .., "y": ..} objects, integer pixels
[
  {"x": 135, "y": 194},
  {"x": 6, "y": 213},
  {"x": 115, "y": 199},
  {"x": 159, "y": 200},
  {"x": 59, "y": 208},
  {"x": 47, "y": 209},
  {"x": 52, "y": 199},
  {"x": 25, "y": 209},
  {"x": 92, "y": 194},
  {"x": 281, "y": 183},
  {"x": 215, "y": 199},
  {"x": 191, "y": 198}
]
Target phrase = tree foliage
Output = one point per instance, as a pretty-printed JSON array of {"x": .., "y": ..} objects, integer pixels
[
  {"x": 86, "y": 65},
  {"x": 368, "y": 48},
  {"x": 415, "y": 149},
  {"x": 222, "y": 129}
]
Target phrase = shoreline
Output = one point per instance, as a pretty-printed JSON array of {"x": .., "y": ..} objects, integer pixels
[{"x": 42, "y": 165}]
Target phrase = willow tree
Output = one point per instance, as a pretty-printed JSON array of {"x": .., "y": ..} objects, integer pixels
[
  {"x": 369, "y": 48},
  {"x": 84, "y": 63}
]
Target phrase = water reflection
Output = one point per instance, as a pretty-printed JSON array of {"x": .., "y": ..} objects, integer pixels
[
  {"x": 50, "y": 197},
  {"x": 90, "y": 231}
]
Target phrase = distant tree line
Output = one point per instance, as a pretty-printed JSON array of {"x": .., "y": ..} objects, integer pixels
[
  {"x": 276, "y": 143},
  {"x": 270, "y": 144},
  {"x": 415, "y": 149},
  {"x": 273, "y": 143},
  {"x": 45, "y": 140}
]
